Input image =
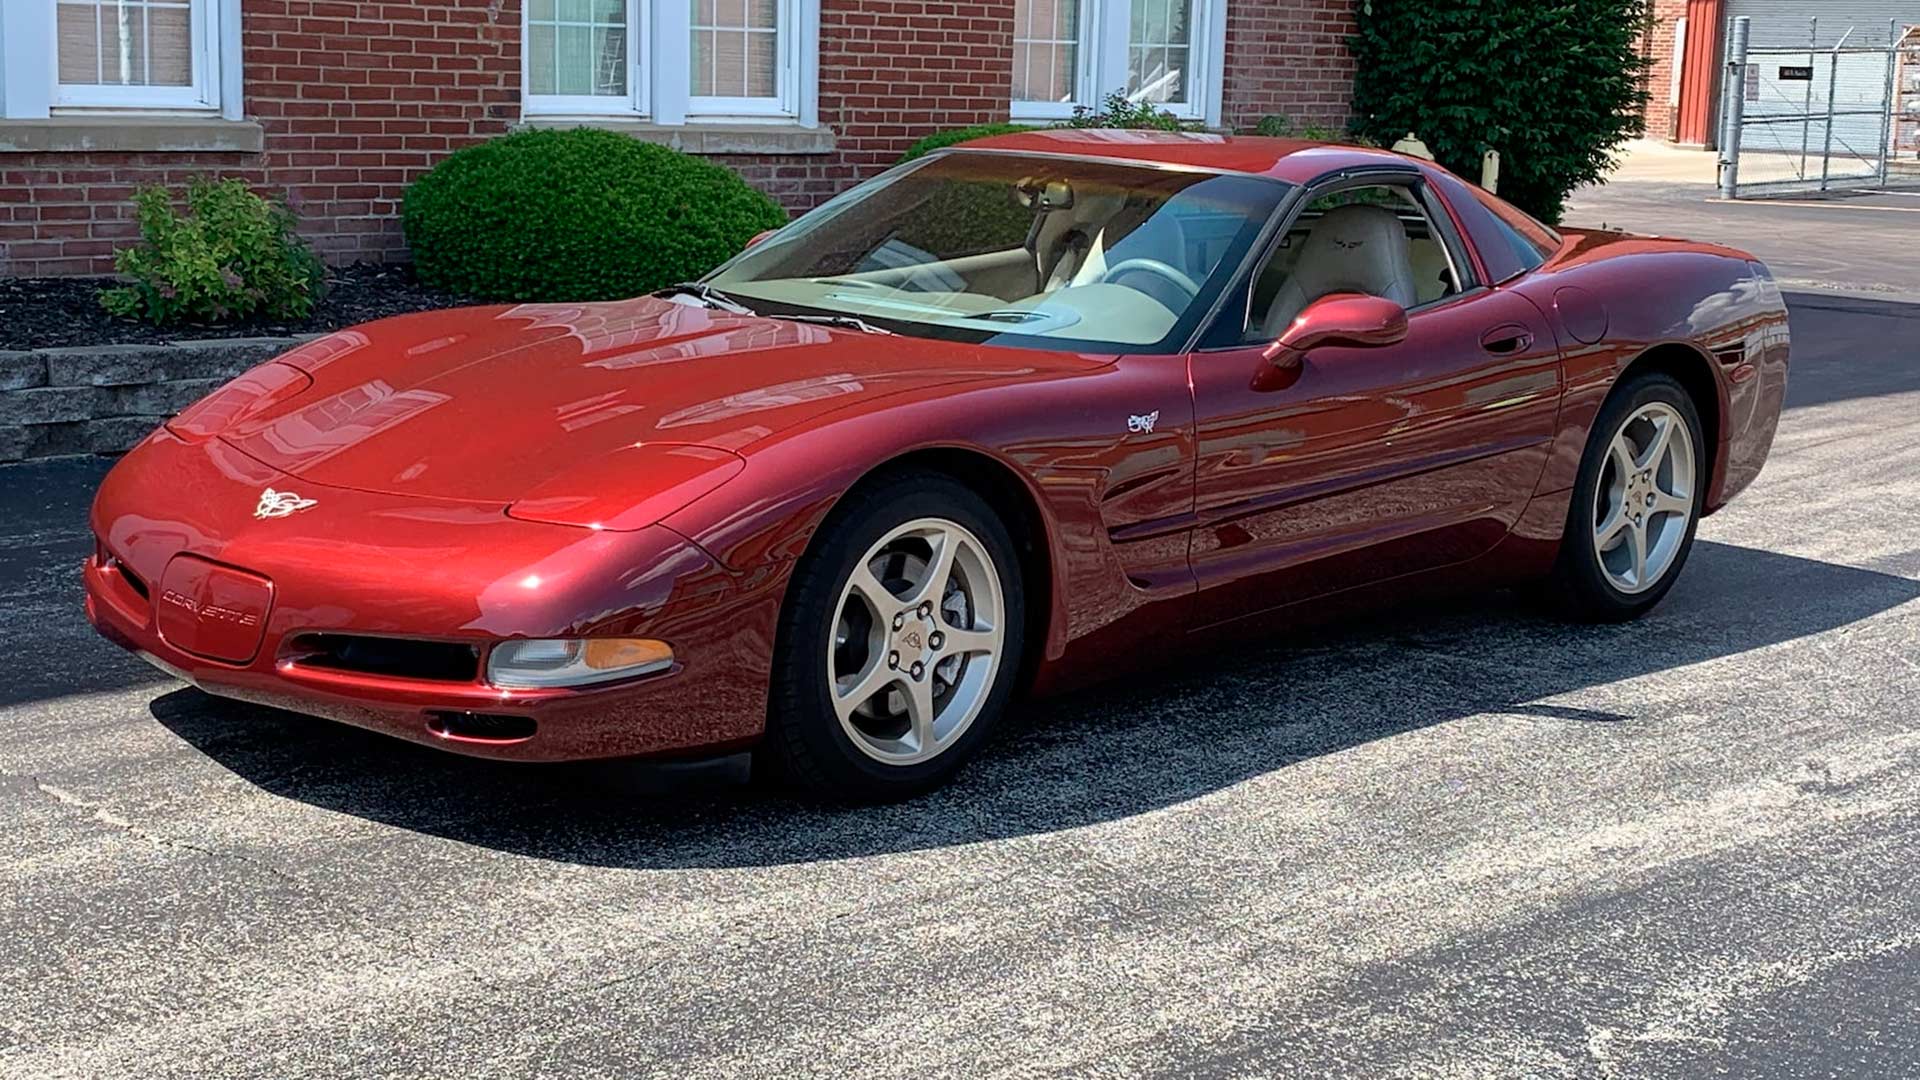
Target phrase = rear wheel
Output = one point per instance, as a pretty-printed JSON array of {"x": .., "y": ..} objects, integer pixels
[
  {"x": 1636, "y": 502},
  {"x": 898, "y": 644}
]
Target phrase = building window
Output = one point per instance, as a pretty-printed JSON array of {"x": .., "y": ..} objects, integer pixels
[
  {"x": 1046, "y": 52},
  {"x": 1160, "y": 52},
  {"x": 129, "y": 55},
  {"x": 579, "y": 53},
  {"x": 1069, "y": 53},
  {"x": 669, "y": 59}
]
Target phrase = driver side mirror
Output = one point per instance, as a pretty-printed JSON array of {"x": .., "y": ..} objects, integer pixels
[{"x": 1352, "y": 320}]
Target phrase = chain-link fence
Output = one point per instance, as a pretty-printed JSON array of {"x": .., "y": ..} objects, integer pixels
[{"x": 1842, "y": 111}]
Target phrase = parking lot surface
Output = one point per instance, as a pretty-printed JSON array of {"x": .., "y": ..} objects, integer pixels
[{"x": 1459, "y": 842}]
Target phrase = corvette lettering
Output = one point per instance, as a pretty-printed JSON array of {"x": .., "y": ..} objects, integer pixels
[{"x": 209, "y": 612}]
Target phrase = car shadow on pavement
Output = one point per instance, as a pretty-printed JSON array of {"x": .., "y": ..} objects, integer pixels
[{"x": 1148, "y": 742}]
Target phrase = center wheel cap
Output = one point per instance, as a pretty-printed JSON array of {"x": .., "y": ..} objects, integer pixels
[{"x": 912, "y": 642}]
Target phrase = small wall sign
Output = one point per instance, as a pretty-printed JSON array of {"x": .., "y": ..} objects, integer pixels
[{"x": 1796, "y": 74}]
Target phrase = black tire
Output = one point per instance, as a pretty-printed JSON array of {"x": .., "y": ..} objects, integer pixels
[
  {"x": 805, "y": 745},
  {"x": 1579, "y": 588}
]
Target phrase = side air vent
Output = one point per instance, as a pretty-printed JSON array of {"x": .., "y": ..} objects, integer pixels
[
  {"x": 1731, "y": 357},
  {"x": 132, "y": 579}
]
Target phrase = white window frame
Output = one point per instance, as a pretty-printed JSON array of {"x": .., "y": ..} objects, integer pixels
[
  {"x": 30, "y": 68},
  {"x": 660, "y": 72},
  {"x": 635, "y": 101},
  {"x": 1105, "y": 30}
]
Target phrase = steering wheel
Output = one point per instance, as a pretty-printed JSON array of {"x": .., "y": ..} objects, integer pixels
[{"x": 1154, "y": 266}]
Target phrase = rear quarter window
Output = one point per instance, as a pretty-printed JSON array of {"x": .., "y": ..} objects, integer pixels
[
  {"x": 1508, "y": 241},
  {"x": 1531, "y": 241}
]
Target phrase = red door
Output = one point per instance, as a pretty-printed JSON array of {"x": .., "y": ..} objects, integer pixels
[
  {"x": 1699, "y": 74},
  {"x": 1375, "y": 462}
]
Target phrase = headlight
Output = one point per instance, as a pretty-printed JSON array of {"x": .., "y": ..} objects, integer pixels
[{"x": 543, "y": 662}]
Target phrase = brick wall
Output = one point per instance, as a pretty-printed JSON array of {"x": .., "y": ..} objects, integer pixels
[
  {"x": 356, "y": 99},
  {"x": 1288, "y": 58},
  {"x": 1657, "y": 47}
]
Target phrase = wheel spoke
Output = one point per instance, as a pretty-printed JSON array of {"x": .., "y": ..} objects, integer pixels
[
  {"x": 876, "y": 679},
  {"x": 883, "y": 603},
  {"x": 1656, "y": 451},
  {"x": 1606, "y": 531},
  {"x": 1667, "y": 503},
  {"x": 963, "y": 642},
  {"x": 920, "y": 711},
  {"x": 1622, "y": 454},
  {"x": 945, "y": 545},
  {"x": 1637, "y": 537}
]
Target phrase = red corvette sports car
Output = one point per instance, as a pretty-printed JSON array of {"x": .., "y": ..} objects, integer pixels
[{"x": 1007, "y": 418}]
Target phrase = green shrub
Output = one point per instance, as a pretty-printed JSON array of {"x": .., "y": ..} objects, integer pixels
[
  {"x": 1274, "y": 127},
  {"x": 1119, "y": 112},
  {"x": 1554, "y": 86},
  {"x": 576, "y": 215},
  {"x": 940, "y": 139},
  {"x": 232, "y": 255}
]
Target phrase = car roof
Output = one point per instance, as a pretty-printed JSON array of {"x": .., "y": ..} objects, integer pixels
[{"x": 1293, "y": 160}]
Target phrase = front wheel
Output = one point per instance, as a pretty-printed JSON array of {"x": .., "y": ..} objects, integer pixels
[
  {"x": 899, "y": 642},
  {"x": 1636, "y": 502}
]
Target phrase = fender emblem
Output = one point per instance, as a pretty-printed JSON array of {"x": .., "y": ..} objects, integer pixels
[
  {"x": 1143, "y": 424},
  {"x": 279, "y": 504}
]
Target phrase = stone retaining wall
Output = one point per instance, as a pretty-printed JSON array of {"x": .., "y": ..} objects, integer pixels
[{"x": 104, "y": 398}]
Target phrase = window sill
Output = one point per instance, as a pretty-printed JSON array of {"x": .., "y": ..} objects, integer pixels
[
  {"x": 121, "y": 133},
  {"x": 704, "y": 137}
]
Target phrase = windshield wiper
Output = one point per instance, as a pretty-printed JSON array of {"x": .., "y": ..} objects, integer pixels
[
  {"x": 849, "y": 321},
  {"x": 707, "y": 295}
]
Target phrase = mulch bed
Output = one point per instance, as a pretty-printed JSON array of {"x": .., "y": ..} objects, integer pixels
[{"x": 41, "y": 313}]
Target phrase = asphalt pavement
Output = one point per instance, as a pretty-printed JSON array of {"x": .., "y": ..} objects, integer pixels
[
  {"x": 1862, "y": 241},
  {"x": 1467, "y": 841}
]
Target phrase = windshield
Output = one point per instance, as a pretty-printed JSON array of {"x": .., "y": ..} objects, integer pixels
[{"x": 1036, "y": 251}]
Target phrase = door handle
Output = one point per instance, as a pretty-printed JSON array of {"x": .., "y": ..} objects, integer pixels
[{"x": 1507, "y": 340}]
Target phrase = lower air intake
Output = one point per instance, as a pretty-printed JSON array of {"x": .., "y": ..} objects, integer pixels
[{"x": 481, "y": 727}]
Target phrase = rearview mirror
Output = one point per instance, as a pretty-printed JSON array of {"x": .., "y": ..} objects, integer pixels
[{"x": 1353, "y": 320}]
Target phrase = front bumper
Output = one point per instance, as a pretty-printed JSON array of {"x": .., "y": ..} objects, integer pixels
[{"x": 385, "y": 567}]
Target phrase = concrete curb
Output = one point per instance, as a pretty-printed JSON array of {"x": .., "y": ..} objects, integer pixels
[{"x": 98, "y": 399}]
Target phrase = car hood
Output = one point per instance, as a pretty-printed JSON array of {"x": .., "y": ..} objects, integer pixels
[{"x": 488, "y": 404}]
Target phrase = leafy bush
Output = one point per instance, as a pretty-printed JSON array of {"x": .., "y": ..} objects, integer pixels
[
  {"x": 941, "y": 139},
  {"x": 576, "y": 215},
  {"x": 1553, "y": 85},
  {"x": 1280, "y": 127},
  {"x": 1115, "y": 112},
  {"x": 1119, "y": 112},
  {"x": 232, "y": 255},
  {"x": 1274, "y": 127}
]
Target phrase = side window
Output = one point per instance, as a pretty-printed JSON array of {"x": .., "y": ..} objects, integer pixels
[
  {"x": 1531, "y": 241},
  {"x": 1374, "y": 239}
]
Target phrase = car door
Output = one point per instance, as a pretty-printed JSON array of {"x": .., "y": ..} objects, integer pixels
[{"x": 1374, "y": 462}]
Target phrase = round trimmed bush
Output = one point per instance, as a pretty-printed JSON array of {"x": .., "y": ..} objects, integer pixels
[{"x": 576, "y": 215}]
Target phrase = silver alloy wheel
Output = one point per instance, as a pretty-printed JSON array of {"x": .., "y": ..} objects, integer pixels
[
  {"x": 1644, "y": 498},
  {"x": 918, "y": 637}
]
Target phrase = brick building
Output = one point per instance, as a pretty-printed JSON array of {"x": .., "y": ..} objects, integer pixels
[{"x": 337, "y": 105}]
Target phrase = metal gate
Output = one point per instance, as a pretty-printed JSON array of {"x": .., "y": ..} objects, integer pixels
[{"x": 1829, "y": 113}]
